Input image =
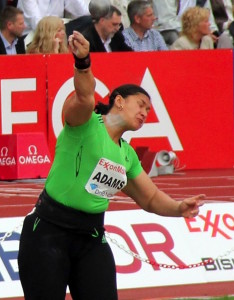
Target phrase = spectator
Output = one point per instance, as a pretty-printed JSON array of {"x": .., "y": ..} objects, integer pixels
[
  {"x": 223, "y": 14},
  {"x": 195, "y": 30},
  {"x": 104, "y": 33},
  {"x": 35, "y": 10},
  {"x": 140, "y": 35},
  {"x": 167, "y": 21},
  {"x": 185, "y": 4},
  {"x": 169, "y": 14},
  {"x": 49, "y": 37},
  {"x": 11, "y": 30}
]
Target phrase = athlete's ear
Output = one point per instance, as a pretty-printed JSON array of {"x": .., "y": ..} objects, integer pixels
[{"x": 119, "y": 101}]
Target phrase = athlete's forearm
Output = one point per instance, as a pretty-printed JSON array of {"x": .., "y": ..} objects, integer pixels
[{"x": 84, "y": 83}]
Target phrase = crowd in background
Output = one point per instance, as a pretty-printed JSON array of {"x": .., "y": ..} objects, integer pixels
[{"x": 32, "y": 26}]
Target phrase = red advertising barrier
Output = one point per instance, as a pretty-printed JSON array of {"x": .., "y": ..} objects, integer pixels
[
  {"x": 24, "y": 155},
  {"x": 192, "y": 102}
]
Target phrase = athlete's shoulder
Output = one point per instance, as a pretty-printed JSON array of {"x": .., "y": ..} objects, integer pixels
[
  {"x": 126, "y": 145},
  {"x": 98, "y": 117}
]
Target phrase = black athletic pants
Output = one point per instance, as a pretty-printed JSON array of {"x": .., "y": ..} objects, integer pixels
[{"x": 52, "y": 258}]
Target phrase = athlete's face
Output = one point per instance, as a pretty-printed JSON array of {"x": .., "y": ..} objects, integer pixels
[{"x": 136, "y": 109}]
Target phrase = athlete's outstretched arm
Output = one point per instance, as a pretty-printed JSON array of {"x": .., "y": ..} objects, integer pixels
[
  {"x": 78, "y": 108},
  {"x": 150, "y": 198}
]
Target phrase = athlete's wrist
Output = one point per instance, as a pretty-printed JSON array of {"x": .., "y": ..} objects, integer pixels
[{"x": 82, "y": 63}]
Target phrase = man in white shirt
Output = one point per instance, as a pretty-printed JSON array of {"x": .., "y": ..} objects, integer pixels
[
  {"x": 35, "y": 10},
  {"x": 167, "y": 21}
]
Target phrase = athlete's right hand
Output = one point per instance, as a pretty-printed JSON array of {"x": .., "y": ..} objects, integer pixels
[{"x": 78, "y": 44}]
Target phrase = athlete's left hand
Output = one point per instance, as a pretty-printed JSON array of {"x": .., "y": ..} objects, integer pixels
[{"x": 189, "y": 207}]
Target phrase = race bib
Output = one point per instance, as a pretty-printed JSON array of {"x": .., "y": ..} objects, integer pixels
[{"x": 107, "y": 179}]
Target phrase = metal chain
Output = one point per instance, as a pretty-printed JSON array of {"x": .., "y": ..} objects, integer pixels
[
  {"x": 9, "y": 233},
  {"x": 133, "y": 254},
  {"x": 166, "y": 266}
]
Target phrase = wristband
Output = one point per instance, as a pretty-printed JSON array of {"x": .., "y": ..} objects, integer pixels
[{"x": 82, "y": 63}]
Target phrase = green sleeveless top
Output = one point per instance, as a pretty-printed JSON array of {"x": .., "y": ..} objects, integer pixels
[{"x": 89, "y": 168}]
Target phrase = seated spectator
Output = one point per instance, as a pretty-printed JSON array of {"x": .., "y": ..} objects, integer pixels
[
  {"x": 140, "y": 35},
  {"x": 167, "y": 22},
  {"x": 49, "y": 37},
  {"x": 223, "y": 14},
  {"x": 11, "y": 30},
  {"x": 195, "y": 30},
  {"x": 185, "y": 4},
  {"x": 104, "y": 33},
  {"x": 35, "y": 10},
  {"x": 169, "y": 14}
]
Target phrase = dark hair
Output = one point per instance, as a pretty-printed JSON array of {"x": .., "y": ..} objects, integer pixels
[
  {"x": 9, "y": 13},
  {"x": 124, "y": 90},
  {"x": 111, "y": 11}
]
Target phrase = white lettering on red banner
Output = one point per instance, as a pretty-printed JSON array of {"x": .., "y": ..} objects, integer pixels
[
  {"x": 163, "y": 128},
  {"x": 8, "y": 86}
]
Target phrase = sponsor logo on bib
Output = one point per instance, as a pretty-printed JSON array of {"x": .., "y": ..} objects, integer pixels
[{"x": 107, "y": 179}]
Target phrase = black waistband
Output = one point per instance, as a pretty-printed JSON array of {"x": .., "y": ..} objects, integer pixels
[{"x": 66, "y": 217}]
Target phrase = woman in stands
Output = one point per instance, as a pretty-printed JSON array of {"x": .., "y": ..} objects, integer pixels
[
  {"x": 49, "y": 37},
  {"x": 196, "y": 33}
]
